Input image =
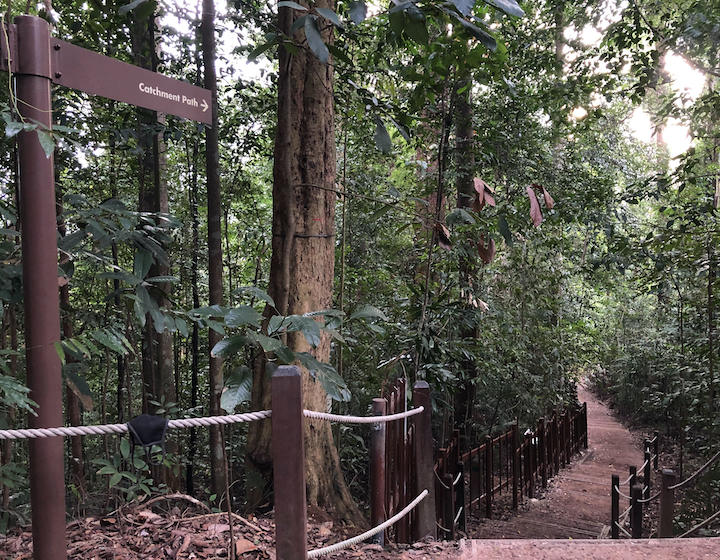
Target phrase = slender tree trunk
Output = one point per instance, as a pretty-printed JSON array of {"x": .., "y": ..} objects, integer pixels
[
  {"x": 465, "y": 174},
  {"x": 711, "y": 320},
  {"x": 195, "y": 337},
  {"x": 303, "y": 252},
  {"x": 215, "y": 265},
  {"x": 7, "y": 445}
]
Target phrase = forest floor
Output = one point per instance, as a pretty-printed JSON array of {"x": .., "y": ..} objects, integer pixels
[{"x": 574, "y": 508}]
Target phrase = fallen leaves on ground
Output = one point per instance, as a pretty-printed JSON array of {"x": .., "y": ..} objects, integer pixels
[{"x": 161, "y": 532}]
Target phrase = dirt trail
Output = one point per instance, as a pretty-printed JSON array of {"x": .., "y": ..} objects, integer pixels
[{"x": 577, "y": 503}]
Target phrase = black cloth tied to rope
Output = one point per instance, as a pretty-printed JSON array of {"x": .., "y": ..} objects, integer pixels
[{"x": 148, "y": 430}]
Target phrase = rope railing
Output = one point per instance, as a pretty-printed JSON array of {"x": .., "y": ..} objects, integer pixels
[
  {"x": 696, "y": 474},
  {"x": 370, "y": 533},
  {"x": 700, "y": 525},
  {"x": 650, "y": 499},
  {"x": 361, "y": 419},
  {"x": 617, "y": 489},
  {"x": 457, "y": 479},
  {"x": 625, "y": 531},
  {"x": 105, "y": 429}
]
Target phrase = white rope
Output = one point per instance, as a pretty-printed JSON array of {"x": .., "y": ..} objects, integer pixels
[
  {"x": 458, "y": 516},
  {"x": 122, "y": 428},
  {"x": 440, "y": 480},
  {"x": 367, "y": 534},
  {"x": 627, "y": 480},
  {"x": 617, "y": 489},
  {"x": 623, "y": 530},
  {"x": 361, "y": 419},
  {"x": 645, "y": 464},
  {"x": 457, "y": 479},
  {"x": 624, "y": 514}
]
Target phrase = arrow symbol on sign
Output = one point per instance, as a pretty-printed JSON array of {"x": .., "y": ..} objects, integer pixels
[{"x": 204, "y": 105}]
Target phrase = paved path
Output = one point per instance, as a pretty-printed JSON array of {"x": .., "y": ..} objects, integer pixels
[
  {"x": 657, "y": 549},
  {"x": 577, "y": 504}
]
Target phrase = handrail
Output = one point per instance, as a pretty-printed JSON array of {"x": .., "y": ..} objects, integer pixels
[
  {"x": 697, "y": 473},
  {"x": 701, "y": 524}
]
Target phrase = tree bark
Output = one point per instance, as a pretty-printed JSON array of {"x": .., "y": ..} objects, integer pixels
[
  {"x": 303, "y": 253},
  {"x": 215, "y": 265}
]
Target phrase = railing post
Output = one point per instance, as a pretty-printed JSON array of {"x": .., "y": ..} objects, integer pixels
[
  {"x": 543, "y": 453},
  {"x": 529, "y": 452},
  {"x": 656, "y": 448},
  {"x": 460, "y": 498},
  {"x": 556, "y": 442},
  {"x": 488, "y": 476},
  {"x": 449, "y": 507},
  {"x": 288, "y": 455},
  {"x": 647, "y": 473},
  {"x": 475, "y": 480},
  {"x": 667, "y": 504},
  {"x": 632, "y": 481},
  {"x": 563, "y": 446},
  {"x": 585, "y": 426},
  {"x": 568, "y": 437},
  {"x": 425, "y": 520},
  {"x": 636, "y": 493},
  {"x": 377, "y": 471},
  {"x": 615, "y": 507},
  {"x": 515, "y": 466}
]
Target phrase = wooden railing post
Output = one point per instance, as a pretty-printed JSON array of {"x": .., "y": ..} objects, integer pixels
[
  {"x": 377, "y": 471},
  {"x": 460, "y": 498},
  {"x": 568, "y": 437},
  {"x": 288, "y": 455},
  {"x": 475, "y": 480},
  {"x": 585, "y": 426},
  {"x": 530, "y": 476},
  {"x": 425, "y": 520},
  {"x": 556, "y": 442},
  {"x": 449, "y": 507},
  {"x": 636, "y": 493},
  {"x": 632, "y": 481},
  {"x": 667, "y": 504},
  {"x": 563, "y": 443},
  {"x": 515, "y": 465},
  {"x": 647, "y": 473},
  {"x": 489, "y": 483},
  {"x": 614, "y": 507},
  {"x": 656, "y": 448},
  {"x": 542, "y": 452}
]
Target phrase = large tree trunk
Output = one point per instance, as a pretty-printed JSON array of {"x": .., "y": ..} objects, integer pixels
[
  {"x": 303, "y": 253},
  {"x": 212, "y": 159}
]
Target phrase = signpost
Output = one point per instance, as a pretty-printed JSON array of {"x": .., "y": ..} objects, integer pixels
[{"x": 36, "y": 60}]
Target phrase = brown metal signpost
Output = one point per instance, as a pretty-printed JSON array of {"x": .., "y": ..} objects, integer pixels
[{"x": 28, "y": 51}]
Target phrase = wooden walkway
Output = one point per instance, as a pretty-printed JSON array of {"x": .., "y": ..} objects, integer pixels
[{"x": 577, "y": 503}]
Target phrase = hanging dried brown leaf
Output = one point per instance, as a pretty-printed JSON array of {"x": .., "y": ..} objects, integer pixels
[
  {"x": 549, "y": 202},
  {"x": 489, "y": 198},
  {"x": 486, "y": 252},
  {"x": 483, "y": 194},
  {"x": 443, "y": 236},
  {"x": 535, "y": 212},
  {"x": 479, "y": 185}
]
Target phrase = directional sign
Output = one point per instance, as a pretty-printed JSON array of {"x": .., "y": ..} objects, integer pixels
[{"x": 78, "y": 68}]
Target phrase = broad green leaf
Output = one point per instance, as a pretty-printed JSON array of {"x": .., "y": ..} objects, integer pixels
[
  {"x": 162, "y": 279},
  {"x": 12, "y": 128},
  {"x": 329, "y": 15},
  {"x": 229, "y": 346},
  {"x": 358, "y": 12},
  {"x": 315, "y": 42},
  {"x": 107, "y": 470},
  {"x": 46, "y": 142},
  {"x": 332, "y": 383},
  {"x": 382, "y": 137},
  {"x": 122, "y": 10},
  {"x": 115, "y": 479},
  {"x": 182, "y": 326},
  {"x": 125, "y": 448},
  {"x": 80, "y": 388},
  {"x": 505, "y": 230},
  {"x": 293, "y": 5},
  {"x": 255, "y": 292},
  {"x": 142, "y": 263},
  {"x": 241, "y": 316},
  {"x": 368, "y": 312},
  {"x": 260, "y": 49},
  {"x": 508, "y": 6},
  {"x": 237, "y": 389},
  {"x": 464, "y": 6}
]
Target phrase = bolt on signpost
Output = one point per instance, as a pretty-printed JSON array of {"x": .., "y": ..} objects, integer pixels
[{"x": 36, "y": 59}]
